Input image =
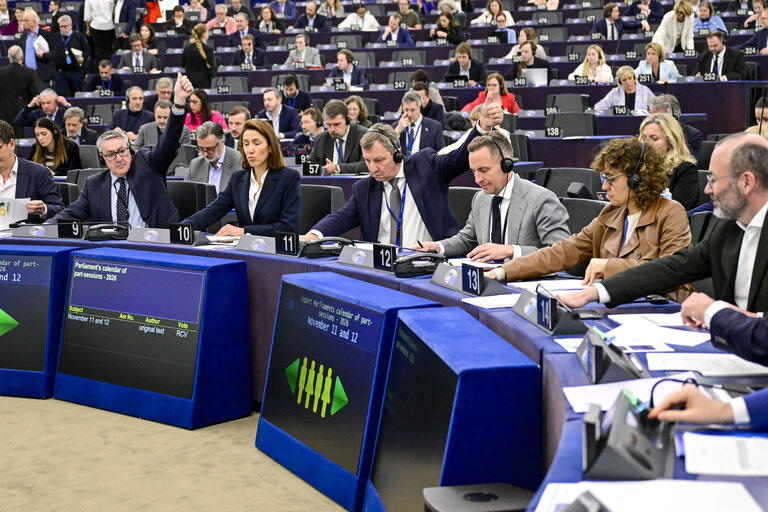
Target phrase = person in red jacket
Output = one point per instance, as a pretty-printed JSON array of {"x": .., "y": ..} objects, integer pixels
[{"x": 495, "y": 85}]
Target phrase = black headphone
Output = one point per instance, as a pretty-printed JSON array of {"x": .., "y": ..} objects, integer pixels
[
  {"x": 397, "y": 156},
  {"x": 634, "y": 179},
  {"x": 507, "y": 164}
]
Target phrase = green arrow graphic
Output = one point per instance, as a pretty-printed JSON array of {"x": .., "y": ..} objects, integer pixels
[
  {"x": 292, "y": 373},
  {"x": 339, "y": 397},
  {"x": 7, "y": 322}
]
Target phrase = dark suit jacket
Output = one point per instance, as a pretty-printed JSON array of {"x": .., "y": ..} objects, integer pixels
[
  {"x": 717, "y": 256},
  {"x": 358, "y": 75},
  {"x": 757, "y": 405},
  {"x": 435, "y": 111},
  {"x": 277, "y": 209},
  {"x": 404, "y": 39},
  {"x": 115, "y": 83},
  {"x": 259, "y": 58},
  {"x": 19, "y": 87},
  {"x": 601, "y": 27},
  {"x": 73, "y": 159},
  {"x": 88, "y": 137},
  {"x": 146, "y": 181},
  {"x": 734, "y": 65},
  {"x": 476, "y": 70},
  {"x": 300, "y": 102},
  {"x": 28, "y": 116},
  {"x": 745, "y": 336},
  {"x": 427, "y": 175},
  {"x": 693, "y": 138},
  {"x": 46, "y": 68},
  {"x": 120, "y": 120},
  {"x": 244, "y": 9},
  {"x": 289, "y": 121},
  {"x": 78, "y": 41},
  {"x": 148, "y": 60},
  {"x": 302, "y": 140},
  {"x": 185, "y": 29},
  {"x": 34, "y": 181},
  {"x": 198, "y": 73},
  {"x": 290, "y": 8},
  {"x": 128, "y": 15},
  {"x": 657, "y": 11},
  {"x": 320, "y": 24},
  {"x": 759, "y": 40},
  {"x": 431, "y": 135},
  {"x": 235, "y": 41},
  {"x": 353, "y": 162}
]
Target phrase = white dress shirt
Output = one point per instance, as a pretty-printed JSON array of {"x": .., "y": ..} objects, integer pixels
[
  {"x": 8, "y": 187},
  {"x": 417, "y": 126},
  {"x": 99, "y": 14},
  {"x": 412, "y": 227},
  {"x": 134, "y": 215},
  {"x": 254, "y": 191},
  {"x": 118, "y": 8},
  {"x": 275, "y": 120},
  {"x": 343, "y": 148}
]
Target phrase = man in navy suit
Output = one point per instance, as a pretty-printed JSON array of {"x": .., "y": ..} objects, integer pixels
[
  {"x": 405, "y": 199},
  {"x": 252, "y": 57},
  {"x": 284, "y": 119},
  {"x": 132, "y": 189},
  {"x": 130, "y": 119},
  {"x": 612, "y": 27},
  {"x": 392, "y": 32},
  {"x": 310, "y": 21},
  {"x": 353, "y": 75},
  {"x": 46, "y": 104},
  {"x": 284, "y": 8},
  {"x": 235, "y": 39},
  {"x": 21, "y": 178},
  {"x": 465, "y": 65},
  {"x": 416, "y": 131},
  {"x": 36, "y": 56},
  {"x": 760, "y": 39}
]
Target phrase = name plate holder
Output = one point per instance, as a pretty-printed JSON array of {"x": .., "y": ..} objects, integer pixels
[
  {"x": 450, "y": 277},
  {"x": 150, "y": 235},
  {"x": 360, "y": 257},
  {"x": 36, "y": 231},
  {"x": 285, "y": 244},
  {"x": 546, "y": 313}
]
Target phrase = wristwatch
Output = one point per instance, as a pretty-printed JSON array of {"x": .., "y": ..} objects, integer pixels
[{"x": 179, "y": 107}]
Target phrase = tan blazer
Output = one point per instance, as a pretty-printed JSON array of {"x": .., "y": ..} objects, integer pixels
[{"x": 662, "y": 229}]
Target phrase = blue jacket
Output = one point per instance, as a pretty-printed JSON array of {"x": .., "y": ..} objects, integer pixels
[
  {"x": 290, "y": 124},
  {"x": 289, "y": 9},
  {"x": 120, "y": 119},
  {"x": 128, "y": 15},
  {"x": 427, "y": 175},
  {"x": 277, "y": 209},
  {"x": 28, "y": 115},
  {"x": 431, "y": 135},
  {"x": 146, "y": 181},
  {"x": 235, "y": 39},
  {"x": 757, "y": 405},
  {"x": 743, "y": 335},
  {"x": 759, "y": 40},
  {"x": 34, "y": 181},
  {"x": 358, "y": 75},
  {"x": 667, "y": 70},
  {"x": 657, "y": 11},
  {"x": 403, "y": 38}
]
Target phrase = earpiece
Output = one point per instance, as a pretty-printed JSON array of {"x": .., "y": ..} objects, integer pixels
[
  {"x": 507, "y": 164},
  {"x": 397, "y": 156},
  {"x": 634, "y": 179}
]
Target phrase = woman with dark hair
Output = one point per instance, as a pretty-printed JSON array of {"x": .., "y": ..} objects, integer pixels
[
  {"x": 637, "y": 226},
  {"x": 269, "y": 24},
  {"x": 16, "y": 25},
  {"x": 53, "y": 150},
  {"x": 358, "y": 112},
  {"x": 198, "y": 59},
  {"x": 447, "y": 29},
  {"x": 495, "y": 85},
  {"x": 149, "y": 39},
  {"x": 266, "y": 195},
  {"x": 200, "y": 111}
]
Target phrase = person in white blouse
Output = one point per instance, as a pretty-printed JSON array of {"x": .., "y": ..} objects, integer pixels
[
  {"x": 360, "y": 18},
  {"x": 488, "y": 17},
  {"x": 656, "y": 65},
  {"x": 676, "y": 29},
  {"x": 594, "y": 67}
]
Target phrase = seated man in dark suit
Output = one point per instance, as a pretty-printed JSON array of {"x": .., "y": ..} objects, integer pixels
[
  {"x": 46, "y": 104},
  {"x": 163, "y": 91},
  {"x": 726, "y": 63},
  {"x": 429, "y": 108},
  {"x": 529, "y": 61},
  {"x": 532, "y": 216},
  {"x": 249, "y": 57},
  {"x": 179, "y": 25},
  {"x": 392, "y": 32},
  {"x": 139, "y": 60},
  {"x": 465, "y": 65},
  {"x": 668, "y": 104},
  {"x": 74, "y": 123},
  {"x": 236, "y": 121},
  {"x": 652, "y": 9},
  {"x": 132, "y": 189},
  {"x": 417, "y": 132},
  {"x": 106, "y": 80},
  {"x": 284, "y": 119},
  {"x": 236, "y": 7},
  {"x": 311, "y": 127},
  {"x": 130, "y": 119},
  {"x": 405, "y": 199},
  {"x": 29, "y": 180},
  {"x": 310, "y": 21},
  {"x": 243, "y": 29},
  {"x": 731, "y": 254},
  {"x": 352, "y": 75},
  {"x": 612, "y": 27},
  {"x": 338, "y": 149},
  {"x": 293, "y": 97}
]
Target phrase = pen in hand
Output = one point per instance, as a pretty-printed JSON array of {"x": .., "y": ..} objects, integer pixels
[{"x": 420, "y": 244}]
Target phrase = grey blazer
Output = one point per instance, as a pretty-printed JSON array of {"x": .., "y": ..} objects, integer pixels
[
  {"x": 535, "y": 219},
  {"x": 198, "y": 168},
  {"x": 311, "y": 57},
  {"x": 148, "y": 136},
  {"x": 149, "y": 61}
]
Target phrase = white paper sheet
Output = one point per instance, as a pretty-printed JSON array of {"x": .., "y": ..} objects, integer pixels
[
  {"x": 553, "y": 285},
  {"x": 662, "y": 319},
  {"x": 654, "y": 495},
  {"x": 581, "y": 397},
  {"x": 457, "y": 262},
  {"x": 709, "y": 365},
  {"x": 12, "y": 210},
  {"x": 644, "y": 327},
  {"x": 569, "y": 343},
  {"x": 631, "y": 339},
  {"x": 494, "y": 301},
  {"x": 725, "y": 455}
]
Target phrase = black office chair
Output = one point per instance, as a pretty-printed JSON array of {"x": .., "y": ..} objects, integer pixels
[
  {"x": 184, "y": 156},
  {"x": 558, "y": 179},
  {"x": 580, "y": 213},
  {"x": 451, "y": 103},
  {"x": 460, "y": 201},
  {"x": 400, "y": 76},
  {"x": 303, "y": 80},
  {"x": 353, "y": 41},
  {"x": 547, "y": 18},
  {"x": 365, "y": 59},
  {"x": 237, "y": 84},
  {"x": 510, "y": 122},
  {"x": 372, "y": 104},
  {"x": 317, "y": 201},
  {"x": 78, "y": 176},
  {"x": 187, "y": 197},
  {"x": 703, "y": 196},
  {"x": 568, "y": 102},
  {"x": 521, "y": 146},
  {"x": 578, "y": 49},
  {"x": 89, "y": 156},
  {"x": 701, "y": 225},
  {"x": 419, "y": 57},
  {"x": 717, "y": 136},
  {"x": 707, "y": 147},
  {"x": 68, "y": 192},
  {"x": 552, "y": 34},
  {"x": 572, "y": 124}
]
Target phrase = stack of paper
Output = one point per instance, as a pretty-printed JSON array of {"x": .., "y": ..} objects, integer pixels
[
  {"x": 709, "y": 365},
  {"x": 662, "y": 328},
  {"x": 553, "y": 285},
  {"x": 725, "y": 455},
  {"x": 494, "y": 301}
]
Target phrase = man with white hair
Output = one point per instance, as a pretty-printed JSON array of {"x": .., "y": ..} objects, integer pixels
[
  {"x": 222, "y": 23},
  {"x": 39, "y": 49},
  {"x": 73, "y": 48},
  {"x": 19, "y": 82},
  {"x": 46, "y": 104}
]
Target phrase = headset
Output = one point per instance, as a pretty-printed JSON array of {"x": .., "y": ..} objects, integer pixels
[
  {"x": 634, "y": 179},
  {"x": 507, "y": 164},
  {"x": 397, "y": 156}
]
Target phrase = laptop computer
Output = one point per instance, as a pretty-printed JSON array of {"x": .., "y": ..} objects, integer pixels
[{"x": 536, "y": 77}]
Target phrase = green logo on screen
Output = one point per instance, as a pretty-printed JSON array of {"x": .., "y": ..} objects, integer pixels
[
  {"x": 312, "y": 386},
  {"x": 7, "y": 322}
]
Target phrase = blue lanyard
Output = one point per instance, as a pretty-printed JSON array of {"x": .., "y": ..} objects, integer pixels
[
  {"x": 402, "y": 207},
  {"x": 67, "y": 41},
  {"x": 338, "y": 153},
  {"x": 106, "y": 86},
  {"x": 415, "y": 134},
  {"x": 291, "y": 103}
]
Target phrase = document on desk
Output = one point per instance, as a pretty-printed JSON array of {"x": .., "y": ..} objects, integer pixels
[
  {"x": 644, "y": 327},
  {"x": 656, "y": 495},
  {"x": 725, "y": 455},
  {"x": 12, "y": 210},
  {"x": 493, "y": 301},
  {"x": 709, "y": 365},
  {"x": 632, "y": 339},
  {"x": 553, "y": 285},
  {"x": 581, "y": 397},
  {"x": 660, "y": 319},
  {"x": 457, "y": 262}
]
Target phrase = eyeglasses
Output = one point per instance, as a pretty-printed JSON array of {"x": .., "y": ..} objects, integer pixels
[
  {"x": 711, "y": 179},
  {"x": 204, "y": 149},
  {"x": 607, "y": 178},
  {"x": 111, "y": 156}
]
